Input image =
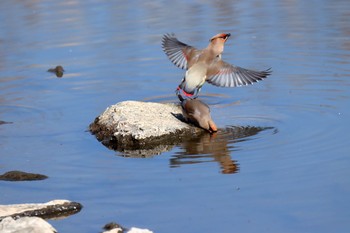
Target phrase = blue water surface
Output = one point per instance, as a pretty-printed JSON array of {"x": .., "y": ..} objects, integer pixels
[{"x": 279, "y": 163}]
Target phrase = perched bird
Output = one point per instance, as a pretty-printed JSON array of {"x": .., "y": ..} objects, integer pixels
[
  {"x": 198, "y": 113},
  {"x": 206, "y": 65}
]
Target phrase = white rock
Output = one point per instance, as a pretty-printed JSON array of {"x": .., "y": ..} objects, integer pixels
[
  {"x": 142, "y": 128},
  {"x": 142, "y": 119},
  {"x": 138, "y": 230},
  {"x": 6, "y": 210},
  {"x": 114, "y": 230},
  {"x": 26, "y": 225}
]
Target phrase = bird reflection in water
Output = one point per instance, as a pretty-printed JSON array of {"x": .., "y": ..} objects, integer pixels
[{"x": 215, "y": 148}]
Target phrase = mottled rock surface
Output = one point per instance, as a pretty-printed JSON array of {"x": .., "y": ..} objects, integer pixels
[
  {"x": 132, "y": 125},
  {"x": 52, "y": 209}
]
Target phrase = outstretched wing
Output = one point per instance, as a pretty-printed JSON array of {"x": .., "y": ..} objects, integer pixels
[
  {"x": 179, "y": 53},
  {"x": 226, "y": 75}
]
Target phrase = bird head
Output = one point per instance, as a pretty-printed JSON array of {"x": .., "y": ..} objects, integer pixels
[
  {"x": 212, "y": 126},
  {"x": 220, "y": 37},
  {"x": 205, "y": 122},
  {"x": 216, "y": 45}
]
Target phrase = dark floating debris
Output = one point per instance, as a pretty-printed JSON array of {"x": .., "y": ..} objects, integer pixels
[
  {"x": 21, "y": 176},
  {"x": 5, "y": 122},
  {"x": 58, "y": 70}
]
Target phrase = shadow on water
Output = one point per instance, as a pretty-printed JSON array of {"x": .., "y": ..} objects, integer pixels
[{"x": 204, "y": 148}]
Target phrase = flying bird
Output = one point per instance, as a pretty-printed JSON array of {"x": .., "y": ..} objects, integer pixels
[{"x": 207, "y": 65}]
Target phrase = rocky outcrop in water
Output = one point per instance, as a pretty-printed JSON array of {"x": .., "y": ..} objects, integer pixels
[
  {"x": 21, "y": 176},
  {"x": 51, "y": 209},
  {"x": 23, "y": 218},
  {"x": 25, "y": 225},
  {"x": 144, "y": 126}
]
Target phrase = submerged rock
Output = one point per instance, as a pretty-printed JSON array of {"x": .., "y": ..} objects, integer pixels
[
  {"x": 49, "y": 210},
  {"x": 135, "y": 125},
  {"x": 21, "y": 176}
]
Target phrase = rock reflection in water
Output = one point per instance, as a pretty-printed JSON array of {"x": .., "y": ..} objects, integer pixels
[
  {"x": 146, "y": 153},
  {"x": 215, "y": 148},
  {"x": 202, "y": 148}
]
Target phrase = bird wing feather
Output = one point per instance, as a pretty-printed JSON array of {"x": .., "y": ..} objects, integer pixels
[
  {"x": 178, "y": 52},
  {"x": 224, "y": 74}
]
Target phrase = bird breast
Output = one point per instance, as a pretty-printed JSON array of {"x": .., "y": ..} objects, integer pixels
[{"x": 196, "y": 75}]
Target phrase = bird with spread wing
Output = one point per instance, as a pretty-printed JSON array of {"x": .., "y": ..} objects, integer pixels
[{"x": 206, "y": 65}]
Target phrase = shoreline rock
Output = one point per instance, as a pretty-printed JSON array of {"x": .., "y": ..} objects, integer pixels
[
  {"x": 22, "y": 218},
  {"x": 48, "y": 210},
  {"x": 26, "y": 224},
  {"x": 135, "y": 125}
]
